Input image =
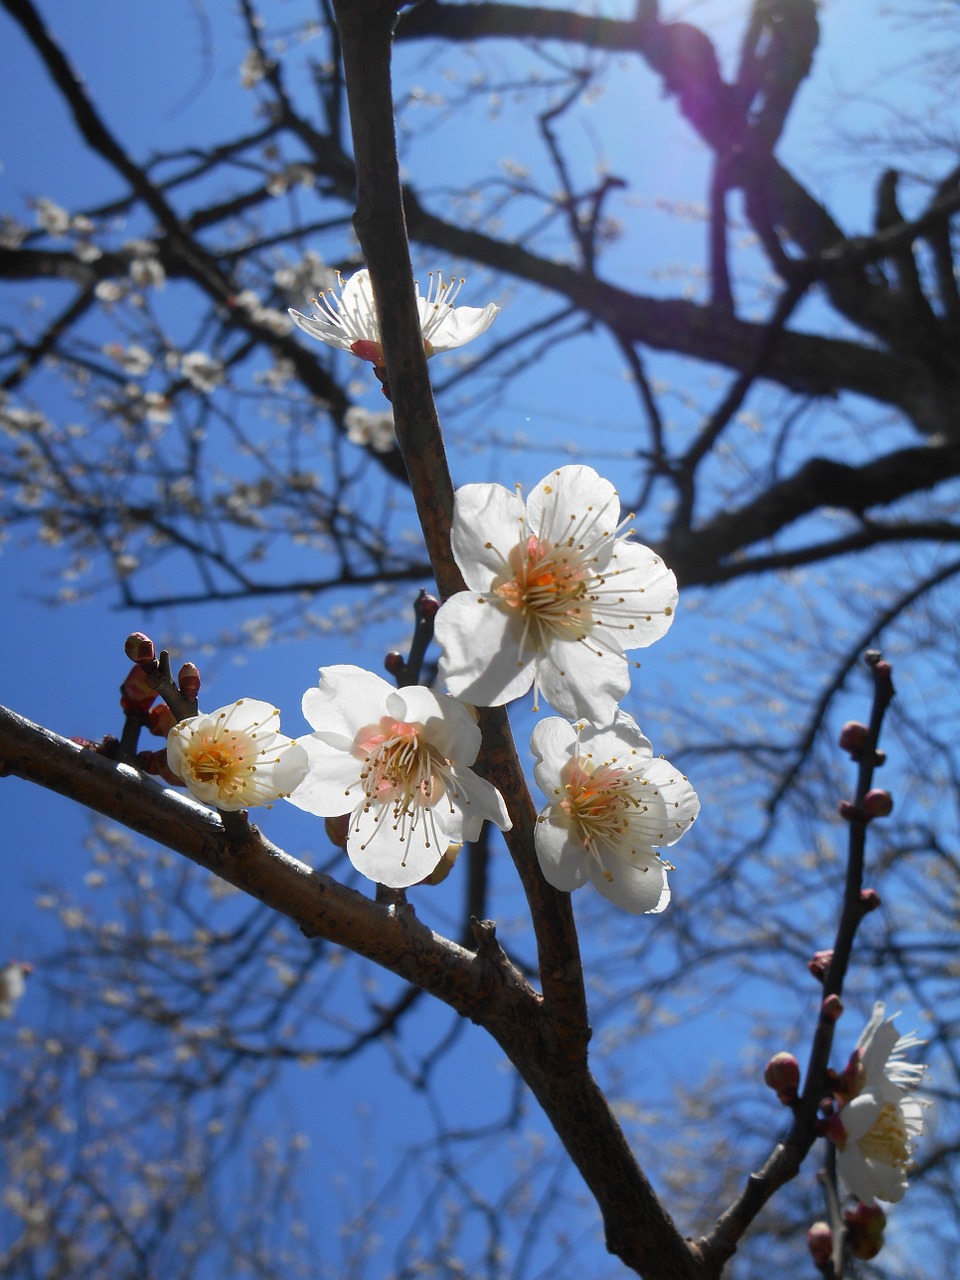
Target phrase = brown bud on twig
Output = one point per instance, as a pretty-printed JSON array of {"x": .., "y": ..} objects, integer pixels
[
  {"x": 869, "y": 900},
  {"x": 394, "y": 663},
  {"x": 820, "y": 1244},
  {"x": 831, "y": 1009},
  {"x": 820, "y": 963},
  {"x": 865, "y": 1224},
  {"x": 139, "y": 648},
  {"x": 782, "y": 1075},
  {"x": 878, "y": 803},
  {"x": 188, "y": 681},
  {"x": 853, "y": 738}
]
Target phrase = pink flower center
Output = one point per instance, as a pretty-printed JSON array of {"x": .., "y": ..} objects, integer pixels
[
  {"x": 597, "y": 801},
  {"x": 548, "y": 587}
]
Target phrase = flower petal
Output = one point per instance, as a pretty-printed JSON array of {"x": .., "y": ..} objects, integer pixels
[
  {"x": 480, "y": 662},
  {"x": 447, "y": 723},
  {"x": 582, "y": 681},
  {"x": 372, "y": 848},
  {"x": 488, "y": 521},
  {"x": 573, "y": 499},
  {"x": 347, "y": 700},
  {"x": 332, "y": 784},
  {"x": 638, "y": 890},
  {"x": 561, "y": 855}
]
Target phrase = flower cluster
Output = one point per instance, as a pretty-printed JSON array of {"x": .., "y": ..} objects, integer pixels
[
  {"x": 880, "y": 1117},
  {"x": 557, "y": 592}
]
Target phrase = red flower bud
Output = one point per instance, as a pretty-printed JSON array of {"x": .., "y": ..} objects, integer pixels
[
  {"x": 426, "y": 606},
  {"x": 155, "y": 763},
  {"x": 865, "y": 1224},
  {"x": 831, "y": 1009},
  {"x": 337, "y": 829},
  {"x": 188, "y": 681},
  {"x": 782, "y": 1075},
  {"x": 820, "y": 963},
  {"x": 136, "y": 696},
  {"x": 848, "y": 811},
  {"x": 853, "y": 737},
  {"x": 820, "y": 1244},
  {"x": 869, "y": 900},
  {"x": 394, "y": 663},
  {"x": 139, "y": 648},
  {"x": 161, "y": 720},
  {"x": 878, "y": 803}
]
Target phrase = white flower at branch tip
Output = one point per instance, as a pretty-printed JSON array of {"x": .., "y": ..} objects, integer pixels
[
  {"x": 236, "y": 757},
  {"x": 555, "y": 594},
  {"x": 610, "y": 804},
  {"x": 877, "y": 1126},
  {"x": 12, "y": 986},
  {"x": 349, "y": 320},
  {"x": 398, "y": 760}
]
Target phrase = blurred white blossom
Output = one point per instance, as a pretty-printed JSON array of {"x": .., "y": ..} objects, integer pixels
[{"x": 880, "y": 1121}]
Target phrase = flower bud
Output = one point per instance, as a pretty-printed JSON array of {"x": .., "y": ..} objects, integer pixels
[
  {"x": 820, "y": 963},
  {"x": 426, "y": 606},
  {"x": 853, "y": 738},
  {"x": 782, "y": 1075},
  {"x": 139, "y": 648},
  {"x": 394, "y": 663},
  {"x": 878, "y": 803},
  {"x": 188, "y": 681},
  {"x": 160, "y": 720},
  {"x": 848, "y": 811},
  {"x": 820, "y": 1244},
  {"x": 865, "y": 1224},
  {"x": 136, "y": 696},
  {"x": 831, "y": 1009},
  {"x": 155, "y": 763},
  {"x": 869, "y": 900},
  {"x": 338, "y": 829}
]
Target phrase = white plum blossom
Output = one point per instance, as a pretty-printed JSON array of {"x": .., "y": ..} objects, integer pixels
[
  {"x": 370, "y": 430},
  {"x": 398, "y": 761},
  {"x": 134, "y": 360},
  {"x": 882, "y": 1118},
  {"x": 349, "y": 321},
  {"x": 51, "y": 217},
  {"x": 202, "y": 372},
  {"x": 12, "y": 986},
  {"x": 236, "y": 757},
  {"x": 611, "y": 803},
  {"x": 555, "y": 594}
]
